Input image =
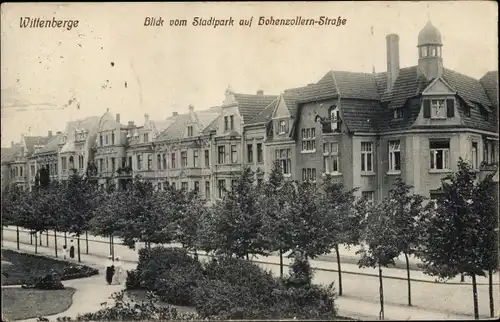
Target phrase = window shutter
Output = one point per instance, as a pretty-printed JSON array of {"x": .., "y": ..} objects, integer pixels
[
  {"x": 450, "y": 107},
  {"x": 427, "y": 109}
]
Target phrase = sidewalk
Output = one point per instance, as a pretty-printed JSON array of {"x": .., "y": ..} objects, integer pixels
[
  {"x": 93, "y": 291},
  {"x": 100, "y": 246}
]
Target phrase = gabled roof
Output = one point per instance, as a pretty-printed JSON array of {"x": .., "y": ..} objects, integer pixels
[
  {"x": 469, "y": 88},
  {"x": 176, "y": 130},
  {"x": 250, "y": 105},
  {"x": 7, "y": 154},
  {"x": 266, "y": 114},
  {"x": 31, "y": 141},
  {"x": 205, "y": 119},
  {"x": 356, "y": 85},
  {"x": 52, "y": 145},
  {"x": 408, "y": 84}
]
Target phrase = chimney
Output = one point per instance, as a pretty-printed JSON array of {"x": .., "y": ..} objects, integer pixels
[
  {"x": 260, "y": 92},
  {"x": 191, "y": 108},
  {"x": 50, "y": 134},
  {"x": 174, "y": 114},
  {"x": 58, "y": 132},
  {"x": 146, "y": 118},
  {"x": 392, "y": 60},
  {"x": 130, "y": 123},
  {"x": 117, "y": 117}
]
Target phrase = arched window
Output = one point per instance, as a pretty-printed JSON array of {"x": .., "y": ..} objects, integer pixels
[
  {"x": 71, "y": 162},
  {"x": 424, "y": 51},
  {"x": 335, "y": 118},
  {"x": 433, "y": 51},
  {"x": 21, "y": 172}
]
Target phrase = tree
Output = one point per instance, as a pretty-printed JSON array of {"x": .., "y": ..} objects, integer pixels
[
  {"x": 275, "y": 204},
  {"x": 236, "y": 221},
  {"x": 343, "y": 219},
  {"x": 81, "y": 198},
  {"x": 485, "y": 203},
  {"x": 11, "y": 202},
  {"x": 306, "y": 220},
  {"x": 406, "y": 209},
  {"x": 380, "y": 236},
  {"x": 454, "y": 232}
]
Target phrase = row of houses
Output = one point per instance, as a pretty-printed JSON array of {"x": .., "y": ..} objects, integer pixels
[{"x": 365, "y": 129}]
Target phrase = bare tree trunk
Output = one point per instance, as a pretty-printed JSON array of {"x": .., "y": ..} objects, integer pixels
[
  {"x": 110, "y": 246},
  {"x": 339, "y": 268},
  {"x": 78, "y": 247},
  {"x": 490, "y": 292},
  {"x": 55, "y": 241},
  {"x": 87, "y": 242},
  {"x": 41, "y": 235},
  {"x": 47, "y": 237},
  {"x": 65, "y": 239},
  {"x": 474, "y": 293},
  {"x": 381, "y": 291},
  {"x": 36, "y": 243},
  {"x": 462, "y": 278},
  {"x": 247, "y": 256},
  {"x": 17, "y": 237},
  {"x": 31, "y": 237},
  {"x": 408, "y": 278},
  {"x": 281, "y": 262},
  {"x": 113, "y": 246}
]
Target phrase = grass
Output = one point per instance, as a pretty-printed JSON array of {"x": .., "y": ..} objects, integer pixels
[
  {"x": 25, "y": 266},
  {"x": 19, "y": 304}
]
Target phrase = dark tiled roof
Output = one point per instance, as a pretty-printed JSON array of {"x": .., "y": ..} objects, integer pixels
[
  {"x": 407, "y": 85},
  {"x": 266, "y": 114},
  {"x": 356, "y": 85},
  {"x": 212, "y": 126},
  {"x": 7, "y": 154},
  {"x": 52, "y": 145},
  {"x": 176, "y": 130},
  {"x": 361, "y": 115},
  {"x": 31, "y": 141},
  {"x": 251, "y": 105},
  {"x": 469, "y": 88},
  {"x": 490, "y": 85}
]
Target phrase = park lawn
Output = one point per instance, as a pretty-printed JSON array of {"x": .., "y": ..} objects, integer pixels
[
  {"x": 19, "y": 303},
  {"x": 23, "y": 266}
]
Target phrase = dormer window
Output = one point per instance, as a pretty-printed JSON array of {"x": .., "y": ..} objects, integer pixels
[
  {"x": 335, "y": 118},
  {"x": 439, "y": 108},
  {"x": 146, "y": 137},
  {"x": 64, "y": 139},
  {"x": 282, "y": 127},
  {"x": 190, "y": 130},
  {"x": 398, "y": 113}
]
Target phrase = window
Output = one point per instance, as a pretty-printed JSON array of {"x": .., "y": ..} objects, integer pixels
[
  {"x": 260, "y": 153},
  {"x": 489, "y": 152},
  {"x": 231, "y": 122},
  {"x": 101, "y": 165},
  {"x": 234, "y": 185},
  {"x": 173, "y": 185},
  {"x": 335, "y": 118},
  {"x": 331, "y": 157},
  {"x": 309, "y": 140},
  {"x": 222, "y": 188},
  {"x": 484, "y": 113},
  {"x": 146, "y": 137},
  {"x": 164, "y": 160},
  {"x": 112, "y": 138},
  {"x": 139, "y": 162},
  {"x": 366, "y": 156},
  {"x": 368, "y": 195},
  {"x": 71, "y": 162},
  {"x": 150, "y": 161},
  {"x": 440, "y": 155},
  {"x": 424, "y": 51},
  {"x": 130, "y": 162},
  {"x": 107, "y": 142},
  {"x": 124, "y": 162},
  {"x": 249, "y": 153},
  {"x": 433, "y": 51},
  {"x": 282, "y": 127},
  {"x": 196, "y": 158},
  {"x": 234, "y": 155},
  {"x": 284, "y": 157},
  {"x": 207, "y": 158},
  {"x": 184, "y": 186},
  {"x": 158, "y": 161},
  {"x": 112, "y": 164},
  {"x": 184, "y": 159},
  {"x": 437, "y": 109},
  {"x": 173, "y": 160},
  {"x": 226, "y": 123},
  {"x": 309, "y": 174},
  {"x": 222, "y": 154},
  {"x": 394, "y": 156},
  {"x": 475, "y": 164},
  {"x": 398, "y": 113},
  {"x": 190, "y": 130},
  {"x": 207, "y": 189}
]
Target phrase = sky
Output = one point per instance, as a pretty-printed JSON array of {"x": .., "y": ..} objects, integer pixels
[{"x": 168, "y": 68}]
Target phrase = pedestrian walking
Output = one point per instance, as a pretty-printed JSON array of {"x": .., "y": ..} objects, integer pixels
[
  {"x": 71, "y": 249},
  {"x": 110, "y": 268},
  {"x": 117, "y": 276},
  {"x": 65, "y": 251}
]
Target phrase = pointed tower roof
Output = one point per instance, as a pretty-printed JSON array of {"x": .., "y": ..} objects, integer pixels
[{"x": 429, "y": 35}]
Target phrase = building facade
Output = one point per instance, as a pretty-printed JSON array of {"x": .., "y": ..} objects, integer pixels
[{"x": 364, "y": 129}]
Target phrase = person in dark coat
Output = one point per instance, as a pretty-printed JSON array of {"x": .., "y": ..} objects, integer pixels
[
  {"x": 110, "y": 270},
  {"x": 71, "y": 249}
]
